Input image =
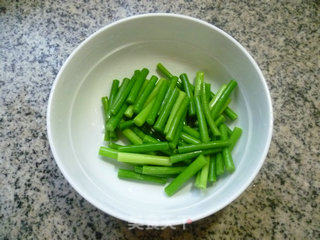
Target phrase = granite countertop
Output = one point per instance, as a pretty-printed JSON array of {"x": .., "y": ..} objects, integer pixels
[{"x": 36, "y": 37}]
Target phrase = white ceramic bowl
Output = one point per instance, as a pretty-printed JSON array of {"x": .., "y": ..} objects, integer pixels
[{"x": 184, "y": 44}]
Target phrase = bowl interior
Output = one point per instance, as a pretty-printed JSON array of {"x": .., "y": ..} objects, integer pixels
[{"x": 76, "y": 127}]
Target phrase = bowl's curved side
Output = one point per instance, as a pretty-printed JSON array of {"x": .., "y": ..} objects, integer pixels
[{"x": 108, "y": 208}]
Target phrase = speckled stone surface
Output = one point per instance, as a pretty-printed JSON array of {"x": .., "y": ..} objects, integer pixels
[{"x": 36, "y": 37}]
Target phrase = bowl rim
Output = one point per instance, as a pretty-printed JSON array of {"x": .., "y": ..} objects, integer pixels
[{"x": 165, "y": 222}]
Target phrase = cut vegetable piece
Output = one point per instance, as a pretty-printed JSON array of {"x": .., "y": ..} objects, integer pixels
[
  {"x": 128, "y": 174},
  {"x": 203, "y": 175},
  {"x": 228, "y": 111},
  {"x": 126, "y": 124},
  {"x": 226, "y": 153},
  {"x": 193, "y": 132},
  {"x": 138, "y": 106},
  {"x": 164, "y": 71},
  {"x": 106, "y": 111},
  {"x": 187, "y": 89},
  {"x": 139, "y": 132},
  {"x": 114, "y": 145},
  {"x": 190, "y": 155},
  {"x": 138, "y": 169},
  {"x": 144, "y": 85},
  {"x": 155, "y": 170},
  {"x": 190, "y": 171},
  {"x": 197, "y": 180},
  {"x": 172, "y": 86},
  {"x": 107, "y": 107},
  {"x": 114, "y": 90},
  {"x": 105, "y": 104},
  {"x": 159, "y": 125},
  {"x": 229, "y": 131},
  {"x": 146, "y": 147},
  {"x": 225, "y": 105},
  {"x": 149, "y": 139},
  {"x": 122, "y": 94},
  {"x": 198, "y": 83},
  {"x": 221, "y": 119},
  {"x": 108, "y": 152},
  {"x": 140, "y": 119},
  {"x": 114, "y": 120},
  {"x": 230, "y": 114},
  {"x": 174, "y": 110},
  {"x": 140, "y": 78},
  {"x": 110, "y": 135},
  {"x": 219, "y": 165},
  {"x": 222, "y": 99},
  {"x": 235, "y": 135},
  {"x": 177, "y": 119},
  {"x": 168, "y": 75},
  {"x": 155, "y": 91},
  {"x": 137, "y": 158},
  {"x": 204, "y": 146},
  {"x": 204, "y": 136},
  {"x": 189, "y": 139},
  {"x": 184, "y": 156},
  {"x": 173, "y": 144},
  {"x": 129, "y": 112},
  {"x": 217, "y": 96},
  {"x": 208, "y": 91},
  {"x": 131, "y": 136},
  {"x": 214, "y": 129},
  {"x": 157, "y": 104},
  {"x": 212, "y": 177}
]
